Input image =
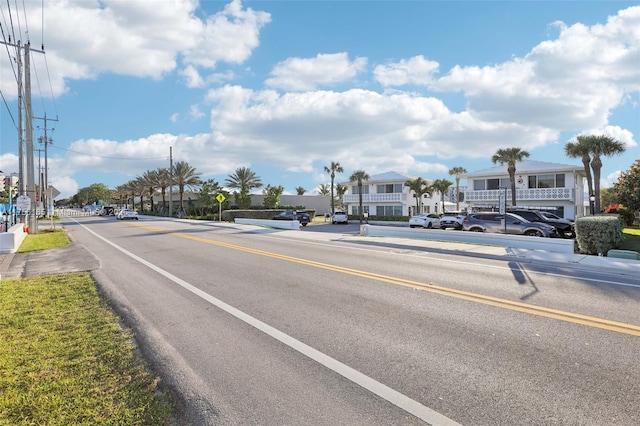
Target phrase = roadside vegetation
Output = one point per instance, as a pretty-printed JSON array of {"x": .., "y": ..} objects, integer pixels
[{"x": 64, "y": 357}]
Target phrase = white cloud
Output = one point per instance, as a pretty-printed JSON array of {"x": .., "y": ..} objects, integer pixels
[
  {"x": 142, "y": 39},
  {"x": 570, "y": 83},
  {"x": 416, "y": 70},
  {"x": 299, "y": 74}
]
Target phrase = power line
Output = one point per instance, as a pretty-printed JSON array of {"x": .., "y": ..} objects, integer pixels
[{"x": 109, "y": 158}]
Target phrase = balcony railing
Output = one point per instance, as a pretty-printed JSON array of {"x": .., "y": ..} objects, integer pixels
[
  {"x": 522, "y": 194},
  {"x": 377, "y": 198}
]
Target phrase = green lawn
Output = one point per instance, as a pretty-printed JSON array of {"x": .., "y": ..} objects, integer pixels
[{"x": 64, "y": 357}]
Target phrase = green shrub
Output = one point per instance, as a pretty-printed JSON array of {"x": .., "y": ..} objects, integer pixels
[{"x": 599, "y": 234}]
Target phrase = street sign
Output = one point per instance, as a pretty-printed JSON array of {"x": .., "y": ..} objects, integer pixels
[
  {"x": 53, "y": 192},
  {"x": 23, "y": 203},
  {"x": 220, "y": 198}
]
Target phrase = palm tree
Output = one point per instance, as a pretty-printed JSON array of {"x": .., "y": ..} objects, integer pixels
[
  {"x": 150, "y": 180},
  {"x": 164, "y": 181},
  {"x": 341, "y": 189},
  {"x": 419, "y": 187},
  {"x": 245, "y": 180},
  {"x": 300, "y": 190},
  {"x": 510, "y": 156},
  {"x": 185, "y": 175},
  {"x": 601, "y": 145},
  {"x": 580, "y": 149},
  {"x": 457, "y": 171},
  {"x": 359, "y": 176},
  {"x": 442, "y": 186},
  {"x": 324, "y": 189},
  {"x": 332, "y": 170}
]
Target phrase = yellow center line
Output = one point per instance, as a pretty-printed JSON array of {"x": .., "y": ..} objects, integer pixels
[{"x": 586, "y": 320}]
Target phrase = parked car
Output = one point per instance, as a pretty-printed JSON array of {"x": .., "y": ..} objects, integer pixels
[
  {"x": 340, "y": 217},
  {"x": 107, "y": 211},
  {"x": 565, "y": 228},
  {"x": 302, "y": 217},
  {"x": 493, "y": 222},
  {"x": 127, "y": 214},
  {"x": 452, "y": 220},
  {"x": 424, "y": 221}
]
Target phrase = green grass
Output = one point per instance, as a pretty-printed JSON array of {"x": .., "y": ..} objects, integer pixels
[
  {"x": 631, "y": 239},
  {"x": 44, "y": 240},
  {"x": 64, "y": 359}
]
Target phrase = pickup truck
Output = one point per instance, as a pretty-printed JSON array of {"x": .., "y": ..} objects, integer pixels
[{"x": 302, "y": 217}]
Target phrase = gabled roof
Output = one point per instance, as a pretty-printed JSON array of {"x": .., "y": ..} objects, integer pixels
[
  {"x": 525, "y": 167},
  {"x": 387, "y": 177}
]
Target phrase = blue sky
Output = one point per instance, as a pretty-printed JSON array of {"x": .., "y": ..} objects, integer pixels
[{"x": 287, "y": 87}]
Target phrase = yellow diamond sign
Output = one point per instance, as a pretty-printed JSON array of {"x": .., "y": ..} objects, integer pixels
[{"x": 220, "y": 198}]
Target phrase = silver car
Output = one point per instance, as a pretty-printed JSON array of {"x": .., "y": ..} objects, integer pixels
[{"x": 495, "y": 222}]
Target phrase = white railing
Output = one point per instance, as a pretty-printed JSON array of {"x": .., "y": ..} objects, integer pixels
[
  {"x": 376, "y": 198},
  {"x": 521, "y": 194}
]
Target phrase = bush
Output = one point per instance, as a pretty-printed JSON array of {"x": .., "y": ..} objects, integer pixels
[{"x": 599, "y": 234}]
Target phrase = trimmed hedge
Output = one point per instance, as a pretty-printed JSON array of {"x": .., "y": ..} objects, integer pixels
[{"x": 599, "y": 234}]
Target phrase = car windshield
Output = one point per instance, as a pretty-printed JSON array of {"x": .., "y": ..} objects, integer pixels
[{"x": 549, "y": 215}]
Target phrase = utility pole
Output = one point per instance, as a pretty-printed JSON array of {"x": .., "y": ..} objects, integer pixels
[
  {"x": 46, "y": 140},
  {"x": 170, "y": 181}
]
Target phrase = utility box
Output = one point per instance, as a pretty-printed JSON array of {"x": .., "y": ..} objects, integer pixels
[{"x": 624, "y": 254}]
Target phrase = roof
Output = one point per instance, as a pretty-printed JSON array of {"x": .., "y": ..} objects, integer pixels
[
  {"x": 387, "y": 177},
  {"x": 525, "y": 167}
]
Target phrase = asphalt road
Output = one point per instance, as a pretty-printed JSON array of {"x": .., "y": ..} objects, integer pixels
[{"x": 255, "y": 326}]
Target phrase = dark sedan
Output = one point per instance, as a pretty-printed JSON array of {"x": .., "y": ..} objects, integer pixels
[{"x": 302, "y": 217}]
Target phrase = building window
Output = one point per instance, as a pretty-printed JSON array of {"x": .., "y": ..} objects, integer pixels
[
  {"x": 391, "y": 188},
  {"x": 493, "y": 183},
  {"x": 355, "y": 190},
  {"x": 547, "y": 181},
  {"x": 355, "y": 210},
  {"x": 389, "y": 211},
  {"x": 479, "y": 185}
]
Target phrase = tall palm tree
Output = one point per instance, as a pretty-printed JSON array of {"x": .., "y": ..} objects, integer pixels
[
  {"x": 601, "y": 145},
  {"x": 332, "y": 170},
  {"x": 341, "y": 189},
  {"x": 442, "y": 186},
  {"x": 419, "y": 187},
  {"x": 300, "y": 190},
  {"x": 324, "y": 189},
  {"x": 580, "y": 149},
  {"x": 457, "y": 171},
  {"x": 164, "y": 181},
  {"x": 185, "y": 175},
  {"x": 244, "y": 180},
  {"x": 510, "y": 156},
  {"x": 150, "y": 181},
  {"x": 359, "y": 176}
]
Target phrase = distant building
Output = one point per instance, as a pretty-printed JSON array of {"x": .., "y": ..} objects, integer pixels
[{"x": 386, "y": 194}]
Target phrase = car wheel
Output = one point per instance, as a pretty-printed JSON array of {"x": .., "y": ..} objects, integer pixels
[
  {"x": 303, "y": 224},
  {"x": 137, "y": 218},
  {"x": 429, "y": 225},
  {"x": 476, "y": 229},
  {"x": 533, "y": 233},
  {"x": 411, "y": 226}
]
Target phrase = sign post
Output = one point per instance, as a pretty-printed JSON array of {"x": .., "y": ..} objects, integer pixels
[{"x": 220, "y": 198}]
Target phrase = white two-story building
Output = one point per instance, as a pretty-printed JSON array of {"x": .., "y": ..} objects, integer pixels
[
  {"x": 386, "y": 194},
  {"x": 557, "y": 188}
]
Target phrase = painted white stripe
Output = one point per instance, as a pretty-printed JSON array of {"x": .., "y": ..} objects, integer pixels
[{"x": 394, "y": 397}]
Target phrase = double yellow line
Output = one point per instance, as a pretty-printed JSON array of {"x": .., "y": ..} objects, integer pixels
[{"x": 586, "y": 320}]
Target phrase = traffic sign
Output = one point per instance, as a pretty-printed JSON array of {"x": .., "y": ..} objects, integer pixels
[
  {"x": 220, "y": 198},
  {"x": 23, "y": 203},
  {"x": 53, "y": 192}
]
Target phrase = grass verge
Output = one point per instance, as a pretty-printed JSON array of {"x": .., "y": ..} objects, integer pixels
[
  {"x": 64, "y": 359},
  {"x": 43, "y": 240}
]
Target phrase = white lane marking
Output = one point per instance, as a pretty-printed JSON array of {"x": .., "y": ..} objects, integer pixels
[{"x": 394, "y": 397}]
